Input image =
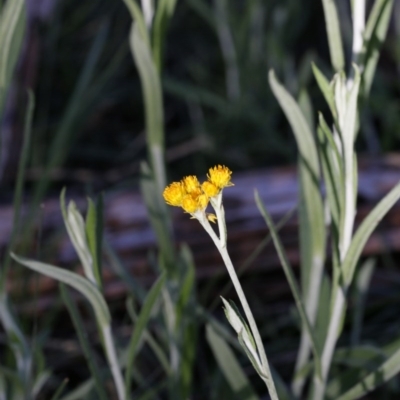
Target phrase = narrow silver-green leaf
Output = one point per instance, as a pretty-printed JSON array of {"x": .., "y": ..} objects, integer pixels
[
  {"x": 39, "y": 382},
  {"x": 334, "y": 36},
  {"x": 331, "y": 176},
  {"x": 18, "y": 343},
  {"x": 137, "y": 16},
  {"x": 326, "y": 89},
  {"x": 291, "y": 280},
  {"x": 141, "y": 323},
  {"x": 151, "y": 86},
  {"x": 311, "y": 210},
  {"x": 229, "y": 366},
  {"x": 94, "y": 233},
  {"x": 361, "y": 360},
  {"x": 374, "y": 35},
  {"x": 306, "y": 107},
  {"x": 75, "y": 227},
  {"x": 362, "y": 282},
  {"x": 162, "y": 17},
  {"x": 82, "y": 285},
  {"x": 365, "y": 230},
  {"x": 12, "y": 29},
  {"x": 380, "y": 375},
  {"x": 312, "y": 205},
  {"x": 302, "y": 132},
  {"x": 348, "y": 135}
]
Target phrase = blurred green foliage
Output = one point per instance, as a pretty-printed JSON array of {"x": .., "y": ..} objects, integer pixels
[
  {"x": 88, "y": 130},
  {"x": 218, "y": 105}
]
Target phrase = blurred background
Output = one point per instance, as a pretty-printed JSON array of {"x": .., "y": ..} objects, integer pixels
[
  {"x": 88, "y": 135},
  {"x": 88, "y": 123}
]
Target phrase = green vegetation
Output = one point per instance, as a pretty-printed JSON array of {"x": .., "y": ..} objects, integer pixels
[{"x": 197, "y": 83}]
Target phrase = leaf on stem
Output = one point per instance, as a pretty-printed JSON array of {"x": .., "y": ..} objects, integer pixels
[
  {"x": 325, "y": 88},
  {"x": 243, "y": 331},
  {"x": 230, "y": 366},
  {"x": 364, "y": 232}
]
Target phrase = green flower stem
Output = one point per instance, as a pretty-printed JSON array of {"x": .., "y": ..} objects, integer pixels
[
  {"x": 113, "y": 361},
  {"x": 221, "y": 246}
]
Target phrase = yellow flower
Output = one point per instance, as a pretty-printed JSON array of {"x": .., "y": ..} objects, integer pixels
[
  {"x": 210, "y": 189},
  {"x": 220, "y": 176},
  {"x": 174, "y": 193},
  {"x": 202, "y": 201},
  {"x": 191, "y": 183},
  {"x": 189, "y": 204}
]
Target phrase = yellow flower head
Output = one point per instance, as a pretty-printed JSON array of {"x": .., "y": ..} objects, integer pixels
[
  {"x": 210, "y": 189},
  {"x": 189, "y": 204},
  {"x": 202, "y": 201},
  {"x": 191, "y": 183},
  {"x": 220, "y": 176},
  {"x": 174, "y": 193}
]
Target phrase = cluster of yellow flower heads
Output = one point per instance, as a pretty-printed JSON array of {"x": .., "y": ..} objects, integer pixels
[{"x": 193, "y": 196}]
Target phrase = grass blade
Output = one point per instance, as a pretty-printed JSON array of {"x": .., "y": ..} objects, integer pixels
[
  {"x": 141, "y": 323},
  {"x": 60, "y": 389},
  {"x": 291, "y": 280},
  {"x": 117, "y": 266},
  {"x": 157, "y": 349},
  {"x": 23, "y": 161},
  {"x": 81, "y": 392}
]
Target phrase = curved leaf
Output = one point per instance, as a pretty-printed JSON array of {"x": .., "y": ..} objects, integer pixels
[
  {"x": 365, "y": 230},
  {"x": 325, "y": 88},
  {"x": 334, "y": 36},
  {"x": 230, "y": 366},
  {"x": 82, "y": 285},
  {"x": 380, "y": 375}
]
